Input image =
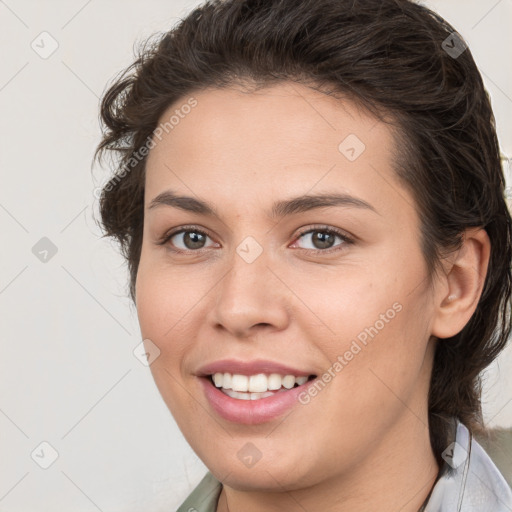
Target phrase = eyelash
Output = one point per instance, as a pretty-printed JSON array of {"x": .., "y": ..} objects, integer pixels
[{"x": 320, "y": 228}]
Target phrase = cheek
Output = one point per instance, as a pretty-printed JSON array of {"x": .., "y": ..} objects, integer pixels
[
  {"x": 373, "y": 331},
  {"x": 383, "y": 360},
  {"x": 165, "y": 297},
  {"x": 159, "y": 309}
]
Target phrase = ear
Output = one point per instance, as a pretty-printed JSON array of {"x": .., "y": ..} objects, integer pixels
[{"x": 461, "y": 286}]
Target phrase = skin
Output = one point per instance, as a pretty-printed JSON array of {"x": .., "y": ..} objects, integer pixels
[{"x": 363, "y": 442}]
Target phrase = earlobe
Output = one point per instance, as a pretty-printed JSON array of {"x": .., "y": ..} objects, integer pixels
[{"x": 458, "y": 297}]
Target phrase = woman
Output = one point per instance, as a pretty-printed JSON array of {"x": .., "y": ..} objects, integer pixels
[{"x": 310, "y": 201}]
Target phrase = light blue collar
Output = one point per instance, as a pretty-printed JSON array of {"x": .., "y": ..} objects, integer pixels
[{"x": 470, "y": 481}]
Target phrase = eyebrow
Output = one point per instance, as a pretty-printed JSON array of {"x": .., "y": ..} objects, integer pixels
[{"x": 279, "y": 209}]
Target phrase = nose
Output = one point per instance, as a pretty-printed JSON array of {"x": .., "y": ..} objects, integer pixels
[{"x": 250, "y": 297}]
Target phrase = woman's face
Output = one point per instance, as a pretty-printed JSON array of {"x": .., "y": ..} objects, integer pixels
[{"x": 338, "y": 291}]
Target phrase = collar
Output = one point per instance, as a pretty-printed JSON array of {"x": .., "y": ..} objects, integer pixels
[{"x": 469, "y": 481}]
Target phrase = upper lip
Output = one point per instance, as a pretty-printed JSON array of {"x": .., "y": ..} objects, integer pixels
[{"x": 250, "y": 368}]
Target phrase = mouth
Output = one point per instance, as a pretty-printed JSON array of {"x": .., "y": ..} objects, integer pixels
[
  {"x": 255, "y": 387},
  {"x": 243, "y": 405}
]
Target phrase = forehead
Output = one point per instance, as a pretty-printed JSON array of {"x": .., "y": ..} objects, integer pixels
[
  {"x": 286, "y": 119},
  {"x": 281, "y": 140}
]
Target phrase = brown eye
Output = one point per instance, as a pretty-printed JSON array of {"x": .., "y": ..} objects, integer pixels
[
  {"x": 193, "y": 240},
  {"x": 186, "y": 240},
  {"x": 323, "y": 239}
]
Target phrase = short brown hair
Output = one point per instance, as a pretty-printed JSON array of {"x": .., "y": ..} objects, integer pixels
[{"x": 391, "y": 57}]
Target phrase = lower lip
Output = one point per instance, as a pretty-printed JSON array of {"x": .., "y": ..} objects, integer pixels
[{"x": 252, "y": 412}]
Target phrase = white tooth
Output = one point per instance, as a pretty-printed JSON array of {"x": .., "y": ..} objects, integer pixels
[
  {"x": 236, "y": 394},
  {"x": 257, "y": 396},
  {"x": 247, "y": 396},
  {"x": 258, "y": 383},
  {"x": 289, "y": 381},
  {"x": 274, "y": 381},
  {"x": 217, "y": 379},
  {"x": 239, "y": 382}
]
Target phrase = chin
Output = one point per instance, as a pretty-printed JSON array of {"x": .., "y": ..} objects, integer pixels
[{"x": 262, "y": 476}]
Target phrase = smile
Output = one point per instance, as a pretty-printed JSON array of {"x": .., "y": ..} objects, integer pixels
[
  {"x": 253, "y": 399},
  {"x": 255, "y": 387}
]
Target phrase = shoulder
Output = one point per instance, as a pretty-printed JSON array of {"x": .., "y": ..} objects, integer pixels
[
  {"x": 204, "y": 497},
  {"x": 497, "y": 443}
]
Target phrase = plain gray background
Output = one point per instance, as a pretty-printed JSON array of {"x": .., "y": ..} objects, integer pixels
[{"x": 69, "y": 378}]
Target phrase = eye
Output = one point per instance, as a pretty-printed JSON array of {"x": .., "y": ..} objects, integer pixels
[
  {"x": 186, "y": 239},
  {"x": 322, "y": 239},
  {"x": 192, "y": 239}
]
